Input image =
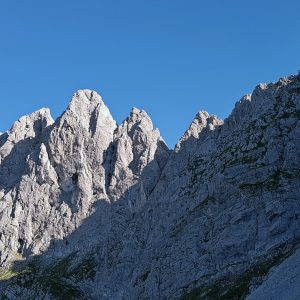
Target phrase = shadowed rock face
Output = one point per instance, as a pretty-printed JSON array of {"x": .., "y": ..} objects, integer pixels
[
  {"x": 92, "y": 209},
  {"x": 136, "y": 146}
]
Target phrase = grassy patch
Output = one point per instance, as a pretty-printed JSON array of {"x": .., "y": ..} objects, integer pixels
[
  {"x": 235, "y": 287},
  {"x": 53, "y": 280},
  {"x": 270, "y": 183},
  {"x": 58, "y": 279},
  {"x": 7, "y": 274}
]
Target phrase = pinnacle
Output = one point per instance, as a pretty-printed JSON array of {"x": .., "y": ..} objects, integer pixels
[
  {"x": 86, "y": 105},
  {"x": 41, "y": 114},
  {"x": 202, "y": 116},
  {"x": 135, "y": 110},
  {"x": 85, "y": 98},
  {"x": 137, "y": 113}
]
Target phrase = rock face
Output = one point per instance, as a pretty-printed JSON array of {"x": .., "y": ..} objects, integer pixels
[
  {"x": 139, "y": 156},
  {"x": 94, "y": 210},
  {"x": 282, "y": 281}
]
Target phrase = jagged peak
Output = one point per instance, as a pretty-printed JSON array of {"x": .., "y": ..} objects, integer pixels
[
  {"x": 86, "y": 101},
  {"x": 136, "y": 111},
  {"x": 28, "y": 131},
  {"x": 40, "y": 113},
  {"x": 281, "y": 82},
  {"x": 202, "y": 120},
  {"x": 262, "y": 99},
  {"x": 28, "y": 121},
  {"x": 246, "y": 98},
  {"x": 222, "y": 192},
  {"x": 88, "y": 109},
  {"x": 137, "y": 115},
  {"x": 85, "y": 96},
  {"x": 137, "y": 119}
]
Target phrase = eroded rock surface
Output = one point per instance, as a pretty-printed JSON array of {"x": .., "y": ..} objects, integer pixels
[{"x": 94, "y": 210}]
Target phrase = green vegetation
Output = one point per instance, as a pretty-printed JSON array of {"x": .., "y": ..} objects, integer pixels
[
  {"x": 272, "y": 182},
  {"x": 235, "y": 287},
  {"x": 190, "y": 215},
  {"x": 7, "y": 274},
  {"x": 296, "y": 90},
  {"x": 58, "y": 279},
  {"x": 53, "y": 280},
  {"x": 197, "y": 170},
  {"x": 295, "y": 114}
]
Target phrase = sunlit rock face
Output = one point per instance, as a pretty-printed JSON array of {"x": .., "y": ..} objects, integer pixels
[{"x": 90, "y": 209}]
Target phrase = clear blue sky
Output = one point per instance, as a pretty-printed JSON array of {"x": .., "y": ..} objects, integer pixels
[{"x": 169, "y": 57}]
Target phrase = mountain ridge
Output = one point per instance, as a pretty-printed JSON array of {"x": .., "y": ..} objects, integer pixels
[{"x": 142, "y": 221}]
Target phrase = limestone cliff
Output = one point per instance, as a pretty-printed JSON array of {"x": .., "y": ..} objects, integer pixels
[{"x": 94, "y": 210}]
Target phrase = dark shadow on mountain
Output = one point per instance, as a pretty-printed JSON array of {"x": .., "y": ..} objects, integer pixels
[
  {"x": 98, "y": 238},
  {"x": 108, "y": 156},
  {"x": 94, "y": 245},
  {"x": 14, "y": 165},
  {"x": 3, "y": 138},
  {"x": 101, "y": 237}
]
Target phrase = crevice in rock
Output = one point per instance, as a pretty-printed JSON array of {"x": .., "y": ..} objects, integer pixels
[{"x": 21, "y": 245}]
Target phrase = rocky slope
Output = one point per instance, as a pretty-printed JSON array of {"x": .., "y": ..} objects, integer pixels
[{"x": 94, "y": 210}]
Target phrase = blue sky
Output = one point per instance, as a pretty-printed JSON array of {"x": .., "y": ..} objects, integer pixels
[{"x": 169, "y": 57}]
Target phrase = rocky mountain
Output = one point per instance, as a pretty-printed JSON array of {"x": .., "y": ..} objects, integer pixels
[{"x": 90, "y": 209}]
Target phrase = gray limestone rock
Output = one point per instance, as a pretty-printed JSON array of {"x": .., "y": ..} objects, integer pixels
[{"x": 94, "y": 210}]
